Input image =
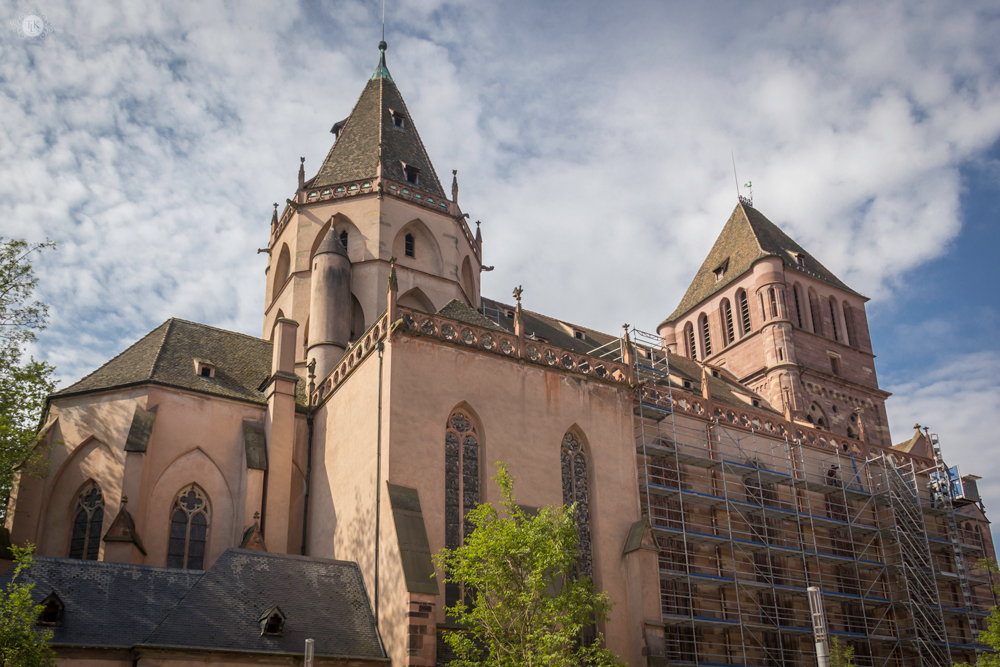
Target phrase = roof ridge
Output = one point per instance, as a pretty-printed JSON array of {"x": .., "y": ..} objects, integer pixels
[
  {"x": 554, "y": 319},
  {"x": 420, "y": 141},
  {"x": 163, "y": 344},
  {"x": 215, "y": 328},
  {"x": 112, "y": 359}
]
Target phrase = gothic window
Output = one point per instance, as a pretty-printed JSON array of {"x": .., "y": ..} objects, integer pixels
[
  {"x": 833, "y": 319},
  {"x": 727, "y": 318},
  {"x": 689, "y": 339},
  {"x": 189, "y": 521},
  {"x": 706, "y": 337},
  {"x": 343, "y": 239},
  {"x": 281, "y": 271},
  {"x": 817, "y": 321},
  {"x": 774, "y": 302},
  {"x": 816, "y": 416},
  {"x": 87, "y": 523},
  {"x": 575, "y": 490},
  {"x": 798, "y": 307},
  {"x": 461, "y": 485},
  {"x": 409, "y": 245},
  {"x": 763, "y": 313},
  {"x": 744, "y": 313},
  {"x": 852, "y": 335}
]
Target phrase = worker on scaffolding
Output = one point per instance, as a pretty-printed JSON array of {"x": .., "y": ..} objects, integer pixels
[{"x": 831, "y": 475}]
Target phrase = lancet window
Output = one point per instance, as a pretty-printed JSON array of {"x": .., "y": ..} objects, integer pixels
[
  {"x": 727, "y": 318},
  {"x": 87, "y": 523},
  {"x": 744, "y": 313},
  {"x": 189, "y": 522},
  {"x": 576, "y": 490},
  {"x": 798, "y": 306},
  {"x": 706, "y": 336},
  {"x": 833, "y": 319},
  {"x": 461, "y": 484},
  {"x": 692, "y": 350}
]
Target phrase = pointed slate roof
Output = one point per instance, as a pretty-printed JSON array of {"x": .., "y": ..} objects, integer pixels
[
  {"x": 747, "y": 237},
  {"x": 354, "y": 155},
  {"x": 166, "y": 356}
]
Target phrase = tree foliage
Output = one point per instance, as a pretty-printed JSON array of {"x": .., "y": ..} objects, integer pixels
[
  {"x": 527, "y": 606},
  {"x": 22, "y": 644},
  {"x": 841, "y": 654},
  {"x": 23, "y": 384}
]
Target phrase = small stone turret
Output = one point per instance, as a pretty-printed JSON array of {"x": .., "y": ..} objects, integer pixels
[{"x": 329, "y": 304}]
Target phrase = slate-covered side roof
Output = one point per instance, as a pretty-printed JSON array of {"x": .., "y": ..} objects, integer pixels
[
  {"x": 321, "y": 599},
  {"x": 747, "y": 237},
  {"x": 119, "y": 605},
  {"x": 354, "y": 155},
  {"x": 166, "y": 356},
  {"x": 106, "y": 604}
]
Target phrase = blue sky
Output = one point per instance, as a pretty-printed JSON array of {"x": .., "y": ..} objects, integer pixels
[{"x": 592, "y": 139}]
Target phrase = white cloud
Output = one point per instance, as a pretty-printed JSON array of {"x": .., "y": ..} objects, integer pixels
[
  {"x": 958, "y": 400},
  {"x": 149, "y": 139}
]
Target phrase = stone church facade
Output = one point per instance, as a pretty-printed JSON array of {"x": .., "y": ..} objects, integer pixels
[{"x": 721, "y": 466}]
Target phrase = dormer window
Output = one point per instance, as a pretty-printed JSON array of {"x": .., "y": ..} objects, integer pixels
[
  {"x": 203, "y": 368},
  {"x": 412, "y": 174},
  {"x": 800, "y": 260},
  {"x": 687, "y": 384},
  {"x": 272, "y": 622},
  {"x": 398, "y": 120},
  {"x": 579, "y": 335},
  {"x": 720, "y": 270},
  {"x": 52, "y": 612},
  {"x": 510, "y": 314}
]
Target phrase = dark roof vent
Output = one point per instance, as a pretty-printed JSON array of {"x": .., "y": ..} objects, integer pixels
[
  {"x": 272, "y": 622},
  {"x": 52, "y": 612}
]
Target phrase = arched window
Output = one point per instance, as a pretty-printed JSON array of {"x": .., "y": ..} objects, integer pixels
[
  {"x": 706, "y": 336},
  {"x": 86, "y": 540},
  {"x": 689, "y": 340},
  {"x": 833, "y": 319},
  {"x": 763, "y": 313},
  {"x": 282, "y": 270},
  {"x": 774, "y": 302},
  {"x": 817, "y": 320},
  {"x": 798, "y": 305},
  {"x": 852, "y": 335},
  {"x": 409, "y": 245},
  {"x": 727, "y": 318},
  {"x": 575, "y": 490},
  {"x": 816, "y": 416},
  {"x": 343, "y": 239},
  {"x": 744, "y": 313},
  {"x": 189, "y": 521},
  {"x": 461, "y": 485}
]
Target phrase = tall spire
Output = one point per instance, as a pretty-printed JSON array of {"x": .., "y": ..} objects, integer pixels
[{"x": 382, "y": 72}]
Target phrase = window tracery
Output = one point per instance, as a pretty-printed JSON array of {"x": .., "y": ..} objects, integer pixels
[
  {"x": 189, "y": 521},
  {"x": 86, "y": 540},
  {"x": 461, "y": 462},
  {"x": 576, "y": 490}
]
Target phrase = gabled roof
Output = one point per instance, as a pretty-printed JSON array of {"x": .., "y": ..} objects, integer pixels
[
  {"x": 166, "y": 356},
  {"x": 747, "y": 237},
  {"x": 120, "y": 605},
  {"x": 354, "y": 155}
]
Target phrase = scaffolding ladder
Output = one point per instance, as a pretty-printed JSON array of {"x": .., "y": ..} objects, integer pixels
[{"x": 922, "y": 602}]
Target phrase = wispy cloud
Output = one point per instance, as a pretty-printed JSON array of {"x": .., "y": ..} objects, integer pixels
[{"x": 150, "y": 139}]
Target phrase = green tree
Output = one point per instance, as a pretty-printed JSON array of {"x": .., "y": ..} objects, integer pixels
[
  {"x": 22, "y": 644},
  {"x": 841, "y": 654},
  {"x": 527, "y": 605},
  {"x": 23, "y": 385},
  {"x": 991, "y": 634}
]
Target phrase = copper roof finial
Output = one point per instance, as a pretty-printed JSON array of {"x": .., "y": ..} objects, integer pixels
[{"x": 382, "y": 72}]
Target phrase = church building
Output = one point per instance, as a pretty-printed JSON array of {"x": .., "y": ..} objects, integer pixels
[{"x": 721, "y": 466}]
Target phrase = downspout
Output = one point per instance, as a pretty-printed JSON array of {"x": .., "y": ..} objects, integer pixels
[
  {"x": 378, "y": 472},
  {"x": 309, "y": 465}
]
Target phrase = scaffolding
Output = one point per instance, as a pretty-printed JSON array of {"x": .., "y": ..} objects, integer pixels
[{"x": 747, "y": 521}]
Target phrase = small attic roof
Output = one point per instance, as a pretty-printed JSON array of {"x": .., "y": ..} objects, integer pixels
[{"x": 747, "y": 237}]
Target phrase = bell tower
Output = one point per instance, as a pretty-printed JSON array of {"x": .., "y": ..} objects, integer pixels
[
  {"x": 770, "y": 313},
  {"x": 377, "y": 196}
]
